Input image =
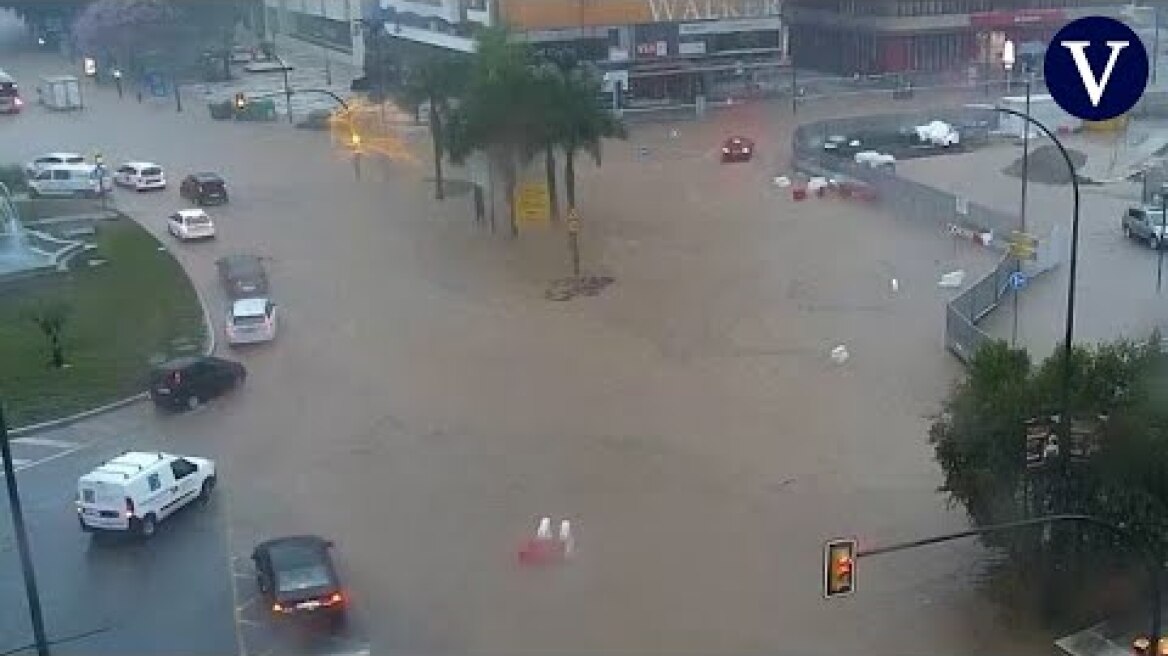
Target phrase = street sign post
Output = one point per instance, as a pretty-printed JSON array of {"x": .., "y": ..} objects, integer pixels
[
  {"x": 1018, "y": 280},
  {"x": 1023, "y": 246},
  {"x": 574, "y": 240}
]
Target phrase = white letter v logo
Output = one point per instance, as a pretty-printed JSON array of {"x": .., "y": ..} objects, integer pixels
[{"x": 1094, "y": 87}]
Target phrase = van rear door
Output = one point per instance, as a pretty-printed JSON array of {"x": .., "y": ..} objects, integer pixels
[{"x": 101, "y": 503}]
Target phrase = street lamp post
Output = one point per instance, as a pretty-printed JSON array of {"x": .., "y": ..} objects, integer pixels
[
  {"x": 1008, "y": 61},
  {"x": 30, "y": 586},
  {"x": 287, "y": 86},
  {"x": 1160, "y": 237},
  {"x": 1069, "y": 326},
  {"x": 118, "y": 81}
]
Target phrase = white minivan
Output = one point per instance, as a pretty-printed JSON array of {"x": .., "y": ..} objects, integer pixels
[
  {"x": 69, "y": 180},
  {"x": 137, "y": 490}
]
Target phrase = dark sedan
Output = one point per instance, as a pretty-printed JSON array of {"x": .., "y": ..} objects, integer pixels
[
  {"x": 737, "y": 149},
  {"x": 204, "y": 189},
  {"x": 297, "y": 578},
  {"x": 243, "y": 276},
  {"x": 189, "y": 382}
]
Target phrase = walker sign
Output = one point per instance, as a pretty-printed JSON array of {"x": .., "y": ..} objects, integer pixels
[{"x": 1096, "y": 68}]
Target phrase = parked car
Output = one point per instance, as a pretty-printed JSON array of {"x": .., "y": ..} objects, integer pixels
[
  {"x": 297, "y": 578},
  {"x": 191, "y": 381},
  {"x": 190, "y": 224},
  {"x": 69, "y": 180},
  {"x": 49, "y": 159},
  {"x": 137, "y": 490},
  {"x": 737, "y": 149},
  {"x": 204, "y": 189},
  {"x": 1144, "y": 224},
  {"x": 242, "y": 276},
  {"x": 251, "y": 320},
  {"x": 140, "y": 176}
]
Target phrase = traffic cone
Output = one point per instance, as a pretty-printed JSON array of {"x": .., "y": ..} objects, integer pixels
[
  {"x": 567, "y": 542},
  {"x": 540, "y": 548}
]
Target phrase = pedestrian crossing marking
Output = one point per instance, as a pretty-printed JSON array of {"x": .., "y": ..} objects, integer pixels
[{"x": 42, "y": 441}]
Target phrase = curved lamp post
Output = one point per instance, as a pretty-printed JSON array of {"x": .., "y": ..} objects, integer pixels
[{"x": 1069, "y": 334}]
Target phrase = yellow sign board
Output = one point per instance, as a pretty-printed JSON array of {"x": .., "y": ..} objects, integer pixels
[{"x": 533, "y": 204}]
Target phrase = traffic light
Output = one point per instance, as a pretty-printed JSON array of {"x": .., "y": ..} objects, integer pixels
[
  {"x": 240, "y": 101},
  {"x": 839, "y": 568}
]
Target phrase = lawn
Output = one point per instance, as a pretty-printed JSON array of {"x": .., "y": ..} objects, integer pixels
[{"x": 137, "y": 306}]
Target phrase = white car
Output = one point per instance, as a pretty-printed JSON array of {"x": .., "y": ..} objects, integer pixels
[
  {"x": 251, "y": 320},
  {"x": 140, "y": 176},
  {"x": 938, "y": 133},
  {"x": 137, "y": 490},
  {"x": 49, "y": 159},
  {"x": 190, "y": 224}
]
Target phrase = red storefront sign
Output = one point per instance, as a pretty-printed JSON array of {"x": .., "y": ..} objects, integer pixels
[{"x": 1003, "y": 19}]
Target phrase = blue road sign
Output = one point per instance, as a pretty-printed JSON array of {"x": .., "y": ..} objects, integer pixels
[
  {"x": 1096, "y": 68},
  {"x": 1018, "y": 280}
]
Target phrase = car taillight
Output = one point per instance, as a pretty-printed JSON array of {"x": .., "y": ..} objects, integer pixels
[
  {"x": 334, "y": 599},
  {"x": 277, "y": 608},
  {"x": 129, "y": 507}
]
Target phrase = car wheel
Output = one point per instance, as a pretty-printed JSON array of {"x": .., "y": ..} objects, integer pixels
[
  {"x": 147, "y": 526},
  {"x": 207, "y": 489},
  {"x": 193, "y": 401}
]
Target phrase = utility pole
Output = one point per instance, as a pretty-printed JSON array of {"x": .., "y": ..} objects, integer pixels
[
  {"x": 1025, "y": 185},
  {"x": 30, "y": 586},
  {"x": 574, "y": 240}
]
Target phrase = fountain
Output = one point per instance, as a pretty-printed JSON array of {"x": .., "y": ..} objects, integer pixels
[{"x": 18, "y": 256}]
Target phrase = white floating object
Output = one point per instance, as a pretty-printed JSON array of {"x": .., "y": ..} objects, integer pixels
[
  {"x": 673, "y": 134},
  {"x": 952, "y": 279},
  {"x": 782, "y": 181},
  {"x": 839, "y": 354},
  {"x": 544, "y": 530},
  {"x": 566, "y": 539},
  {"x": 895, "y": 285}
]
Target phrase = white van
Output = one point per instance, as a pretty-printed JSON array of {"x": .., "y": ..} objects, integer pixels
[
  {"x": 69, "y": 180},
  {"x": 137, "y": 490}
]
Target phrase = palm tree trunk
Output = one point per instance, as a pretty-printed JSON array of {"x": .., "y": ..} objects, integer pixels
[
  {"x": 510, "y": 181},
  {"x": 570, "y": 176},
  {"x": 436, "y": 135},
  {"x": 553, "y": 192}
]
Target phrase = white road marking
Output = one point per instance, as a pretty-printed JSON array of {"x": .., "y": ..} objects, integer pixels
[
  {"x": 60, "y": 454},
  {"x": 41, "y": 441},
  {"x": 19, "y": 463}
]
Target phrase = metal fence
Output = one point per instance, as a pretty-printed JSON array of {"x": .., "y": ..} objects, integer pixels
[{"x": 920, "y": 202}]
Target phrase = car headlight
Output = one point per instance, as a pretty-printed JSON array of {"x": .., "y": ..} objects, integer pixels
[
  {"x": 725, "y": 151},
  {"x": 746, "y": 151}
]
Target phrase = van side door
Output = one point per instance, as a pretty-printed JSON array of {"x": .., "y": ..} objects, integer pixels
[{"x": 186, "y": 482}]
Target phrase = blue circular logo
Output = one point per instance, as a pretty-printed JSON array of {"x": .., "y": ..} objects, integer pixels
[{"x": 1096, "y": 68}]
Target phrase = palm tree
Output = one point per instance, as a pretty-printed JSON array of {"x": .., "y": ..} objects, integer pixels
[
  {"x": 499, "y": 112},
  {"x": 436, "y": 82},
  {"x": 585, "y": 122}
]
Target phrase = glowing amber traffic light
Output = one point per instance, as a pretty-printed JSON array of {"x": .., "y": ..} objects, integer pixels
[{"x": 839, "y": 568}]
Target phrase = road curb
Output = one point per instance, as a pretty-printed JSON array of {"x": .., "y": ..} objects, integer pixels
[{"x": 208, "y": 349}]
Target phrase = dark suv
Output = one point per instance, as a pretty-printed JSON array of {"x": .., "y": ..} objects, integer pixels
[
  {"x": 204, "y": 189},
  {"x": 184, "y": 383}
]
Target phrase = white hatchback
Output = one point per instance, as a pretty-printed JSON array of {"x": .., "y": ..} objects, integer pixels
[
  {"x": 140, "y": 176},
  {"x": 251, "y": 320},
  {"x": 190, "y": 224}
]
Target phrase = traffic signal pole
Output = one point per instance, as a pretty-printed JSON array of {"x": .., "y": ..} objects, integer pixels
[{"x": 1145, "y": 550}]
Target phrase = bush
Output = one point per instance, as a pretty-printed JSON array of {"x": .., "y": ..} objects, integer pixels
[{"x": 12, "y": 175}]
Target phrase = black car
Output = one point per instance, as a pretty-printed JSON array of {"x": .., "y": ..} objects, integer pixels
[
  {"x": 204, "y": 189},
  {"x": 297, "y": 578},
  {"x": 188, "y": 382},
  {"x": 242, "y": 276}
]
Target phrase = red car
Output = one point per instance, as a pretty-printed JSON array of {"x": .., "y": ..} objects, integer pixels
[{"x": 737, "y": 149}]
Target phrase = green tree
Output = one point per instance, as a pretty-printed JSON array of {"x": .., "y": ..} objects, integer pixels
[
  {"x": 435, "y": 81},
  {"x": 50, "y": 318},
  {"x": 979, "y": 439},
  {"x": 583, "y": 122}
]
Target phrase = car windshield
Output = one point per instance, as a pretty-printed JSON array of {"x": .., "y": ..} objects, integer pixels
[
  {"x": 610, "y": 327},
  {"x": 249, "y": 319},
  {"x": 298, "y": 579}
]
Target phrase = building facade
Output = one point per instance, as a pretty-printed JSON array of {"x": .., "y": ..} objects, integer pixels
[
  {"x": 332, "y": 26},
  {"x": 870, "y": 37},
  {"x": 650, "y": 50}
]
